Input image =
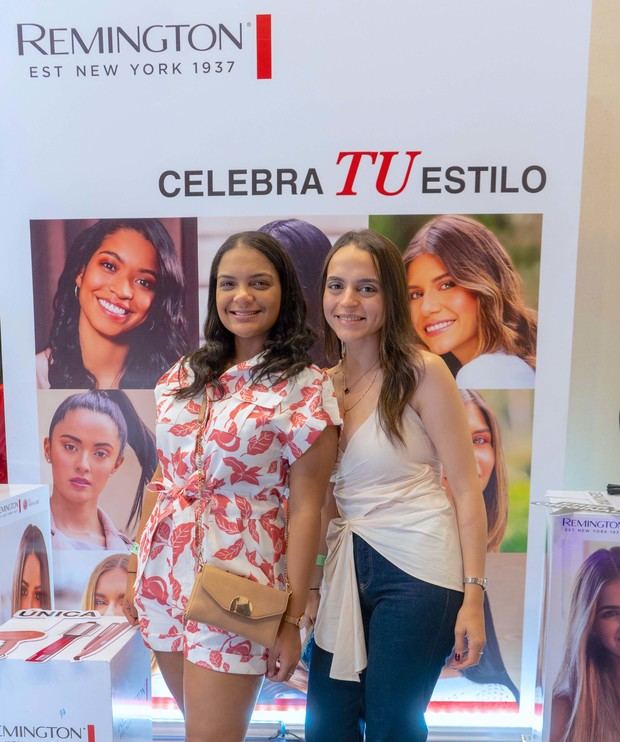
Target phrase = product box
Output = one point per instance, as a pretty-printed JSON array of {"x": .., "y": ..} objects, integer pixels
[
  {"x": 26, "y": 579},
  {"x": 73, "y": 675},
  {"x": 582, "y": 612}
]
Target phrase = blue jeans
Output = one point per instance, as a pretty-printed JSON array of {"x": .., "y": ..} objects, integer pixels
[{"x": 409, "y": 629}]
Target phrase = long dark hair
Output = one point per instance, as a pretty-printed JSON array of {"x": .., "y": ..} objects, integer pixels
[
  {"x": 154, "y": 345},
  {"x": 286, "y": 348},
  {"x": 399, "y": 359},
  {"x": 306, "y": 245},
  {"x": 131, "y": 431}
]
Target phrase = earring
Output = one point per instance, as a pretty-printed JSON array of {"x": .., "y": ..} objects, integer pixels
[{"x": 76, "y": 291}]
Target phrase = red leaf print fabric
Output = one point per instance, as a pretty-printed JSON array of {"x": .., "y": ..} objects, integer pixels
[
  {"x": 155, "y": 588},
  {"x": 225, "y": 440},
  {"x": 245, "y": 508},
  {"x": 184, "y": 429},
  {"x": 242, "y": 472},
  {"x": 259, "y": 444},
  {"x": 215, "y": 658},
  {"x": 181, "y": 536},
  {"x": 253, "y": 433},
  {"x": 231, "y": 552},
  {"x": 253, "y": 531},
  {"x": 228, "y": 526}
]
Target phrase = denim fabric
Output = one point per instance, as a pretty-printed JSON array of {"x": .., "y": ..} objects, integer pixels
[{"x": 409, "y": 629}]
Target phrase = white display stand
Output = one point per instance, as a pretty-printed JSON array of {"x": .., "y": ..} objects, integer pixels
[
  {"x": 21, "y": 506},
  {"x": 76, "y": 676},
  {"x": 579, "y": 523}
]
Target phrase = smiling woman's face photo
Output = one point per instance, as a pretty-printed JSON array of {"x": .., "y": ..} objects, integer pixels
[
  {"x": 117, "y": 286},
  {"x": 444, "y": 314}
]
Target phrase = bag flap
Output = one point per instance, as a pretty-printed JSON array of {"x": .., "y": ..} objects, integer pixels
[{"x": 241, "y": 596}]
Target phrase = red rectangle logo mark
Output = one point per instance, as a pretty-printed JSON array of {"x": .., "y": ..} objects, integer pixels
[{"x": 263, "y": 47}]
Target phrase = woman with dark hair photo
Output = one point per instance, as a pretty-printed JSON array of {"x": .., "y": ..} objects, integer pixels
[
  {"x": 586, "y": 695},
  {"x": 31, "y": 578},
  {"x": 118, "y": 310},
  {"x": 403, "y": 581},
  {"x": 466, "y": 300},
  {"x": 85, "y": 446},
  {"x": 246, "y": 437},
  {"x": 307, "y": 247}
]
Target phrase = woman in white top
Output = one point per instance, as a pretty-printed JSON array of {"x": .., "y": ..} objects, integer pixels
[
  {"x": 466, "y": 300},
  {"x": 404, "y": 575}
]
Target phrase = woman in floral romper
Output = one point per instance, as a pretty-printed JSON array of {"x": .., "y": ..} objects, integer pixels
[{"x": 269, "y": 445}]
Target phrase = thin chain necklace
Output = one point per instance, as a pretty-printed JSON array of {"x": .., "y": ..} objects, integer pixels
[
  {"x": 363, "y": 394},
  {"x": 349, "y": 388}
]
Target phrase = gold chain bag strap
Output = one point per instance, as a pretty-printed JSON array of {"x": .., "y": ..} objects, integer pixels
[{"x": 225, "y": 600}]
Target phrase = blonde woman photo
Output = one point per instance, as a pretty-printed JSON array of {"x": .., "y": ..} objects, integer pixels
[
  {"x": 586, "y": 695},
  {"x": 105, "y": 591},
  {"x": 31, "y": 578}
]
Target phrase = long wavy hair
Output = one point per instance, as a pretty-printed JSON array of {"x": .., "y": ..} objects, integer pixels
[
  {"x": 286, "y": 348},
  {"x": 399, "y": 358},
  {"x": 476, "y": 260},
  {"x": 114, "y": 561},
  {"x": 587, "y": 676},
  {"x": 496, "y": 491},
  {"x": 153, "y": 346},
  {"x": 131, "y": 431},
  {"x": 32, "y": 543}
]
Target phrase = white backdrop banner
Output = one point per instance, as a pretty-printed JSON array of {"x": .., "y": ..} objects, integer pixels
[{"x": 184, "y": 123}]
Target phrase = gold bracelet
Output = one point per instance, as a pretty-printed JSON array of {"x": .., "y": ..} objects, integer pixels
[{"x": 293, "y": 620}]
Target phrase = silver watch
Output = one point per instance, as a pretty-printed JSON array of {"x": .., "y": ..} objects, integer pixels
[{"x": 482, "y": 581}]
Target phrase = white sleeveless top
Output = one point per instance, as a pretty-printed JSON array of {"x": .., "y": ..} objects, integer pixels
[{"x": 391, "y": 496}]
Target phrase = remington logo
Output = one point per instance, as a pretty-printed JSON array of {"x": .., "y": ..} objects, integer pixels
[
  {"x": 35, "y": 39},
  {"x": 22, "y": 732},
  {"x": 590, "y": 523}
]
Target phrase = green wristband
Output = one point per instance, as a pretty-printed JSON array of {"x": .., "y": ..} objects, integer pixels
[
  {"x": 320, "y": 559},
  {"x": 134, "y": 548}
]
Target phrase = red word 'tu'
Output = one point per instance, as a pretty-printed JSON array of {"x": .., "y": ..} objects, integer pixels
[{"x": 384, "y": 168}]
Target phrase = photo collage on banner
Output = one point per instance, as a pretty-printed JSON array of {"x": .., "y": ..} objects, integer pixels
[
  {"x": 115, "y": 304},
  {"x": 127, "y": 298}
]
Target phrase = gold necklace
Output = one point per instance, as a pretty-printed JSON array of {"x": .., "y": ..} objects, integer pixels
[
  {"x": 363, "y": 394},
  {"x": 348, "y": 389}
]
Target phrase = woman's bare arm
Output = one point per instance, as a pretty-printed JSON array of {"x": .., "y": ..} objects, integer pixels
[
  {"x": 441, "y": 409},
  {"x": 308, "y": 480}
]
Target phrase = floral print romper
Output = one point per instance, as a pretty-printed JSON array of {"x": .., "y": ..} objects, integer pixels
[{"x": 253, "y": 434}]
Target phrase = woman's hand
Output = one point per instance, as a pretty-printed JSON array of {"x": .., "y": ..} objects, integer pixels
[
  {"x": 284, "y": 655},
  {"x": 129, "y": 607},
  {"x": 312, "y": 608},
  {"x": 469, "y": 635}
]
